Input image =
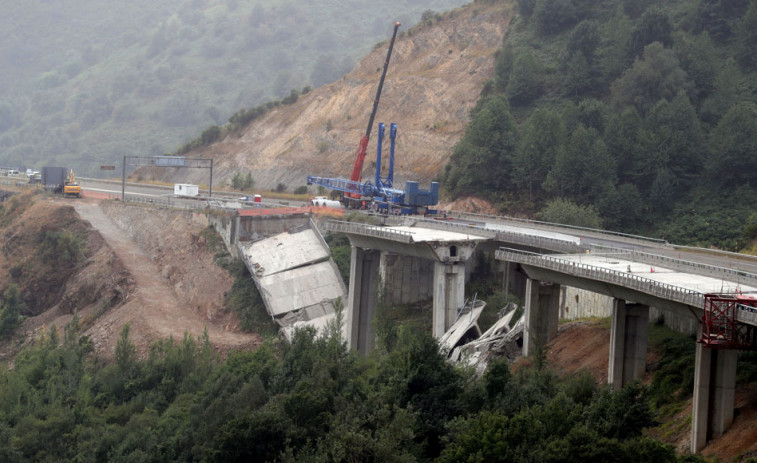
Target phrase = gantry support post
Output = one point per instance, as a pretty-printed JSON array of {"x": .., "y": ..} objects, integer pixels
[
  {"x": 628, "y": 343},
  {"x": 449, "y": 295},
  {"x": 361, "y": 308},
  {"x": 714, "y": 393},
  {"x": 542, "y": 314}
]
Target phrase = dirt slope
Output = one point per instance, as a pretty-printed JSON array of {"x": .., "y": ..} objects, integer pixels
[
  {"x": 435, "y": 77},
  {"x": 585, "y": 346},
  {"x": 131, "y": 270},
  {"x": 178, "y": 288}
]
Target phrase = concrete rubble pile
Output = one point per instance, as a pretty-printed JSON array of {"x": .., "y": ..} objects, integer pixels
[{"x": 466, "y": 345}]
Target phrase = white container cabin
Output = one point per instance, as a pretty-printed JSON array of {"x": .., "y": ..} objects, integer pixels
[{"x": 186, "y": 189}]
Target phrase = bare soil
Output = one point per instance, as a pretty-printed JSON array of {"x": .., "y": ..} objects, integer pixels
[
  {"x": 178, "y": 287},
  {"x": 434, "y": 79},
  {"x": 151, "y": 268}
]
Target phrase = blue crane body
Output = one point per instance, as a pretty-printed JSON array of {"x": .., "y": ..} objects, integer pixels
[{"x": 381, "y": 195}]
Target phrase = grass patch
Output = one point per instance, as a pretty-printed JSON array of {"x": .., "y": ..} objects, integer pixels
[
  {"x": 673, "y": 378},
  {"x": 245, "y": 300},
  {"x": 13, "y": 207},
  {"x": 390, "y": 320}
]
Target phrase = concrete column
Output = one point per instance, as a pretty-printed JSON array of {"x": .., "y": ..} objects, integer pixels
[
  {"x": 714, "y": 393},
  {"x": 513, "y": 281},
  {"x": 361, "y": 306},
  {"x": 542, "y": 314},
  {"x": 449, "y": 295},
  {"x": 628, "y": 343},
  {"x": 406, "y": 279}
]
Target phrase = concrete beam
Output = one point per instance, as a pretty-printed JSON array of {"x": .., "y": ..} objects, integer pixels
[
  {"x": 616, "y": 291},
  {"x": 542, "y": 314},
  {"x": 363, "y": 294},
  {"x": 628, "y": 343},
  {"x": 449, "y": 295},
  {"x": 714, "y": 394}
]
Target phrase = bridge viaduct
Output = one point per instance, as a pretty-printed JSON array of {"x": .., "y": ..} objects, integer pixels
[{"x": 636, "y": 272}]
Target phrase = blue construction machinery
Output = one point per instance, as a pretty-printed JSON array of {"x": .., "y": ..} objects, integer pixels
[{"x": 381, "y": 195}]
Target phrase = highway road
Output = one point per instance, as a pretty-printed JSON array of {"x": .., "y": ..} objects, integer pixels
[
  {"x": 611, "y": 240},
  {"x": 112, "y": 188}
]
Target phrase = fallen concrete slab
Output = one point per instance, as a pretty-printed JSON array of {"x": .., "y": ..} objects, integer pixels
[
  {"x": 296, "y": 277},
  {"x": 504, "y": 338}
]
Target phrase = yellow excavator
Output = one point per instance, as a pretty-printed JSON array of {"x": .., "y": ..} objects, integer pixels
[{"x": 71, "y": 187}]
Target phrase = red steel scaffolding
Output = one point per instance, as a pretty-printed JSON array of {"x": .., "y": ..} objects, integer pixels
[{"x": 721, "y": 329}]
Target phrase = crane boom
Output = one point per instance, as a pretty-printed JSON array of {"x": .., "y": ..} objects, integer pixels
[{"x": 357, "y": 168}]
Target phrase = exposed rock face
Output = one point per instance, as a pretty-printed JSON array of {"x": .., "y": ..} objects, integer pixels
[{"x": 435, "y": 77}]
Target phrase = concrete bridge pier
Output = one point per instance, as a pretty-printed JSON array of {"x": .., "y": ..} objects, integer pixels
[
  {"x": 513, "y": 281},
  {"x": 628, "y": 343},
  {"x": 714, "y": 394},
  {"x": 363, "y": 294},
  {"x": 449, "y": 295},
  {"x": 405, "y": 279},
  {"x": 541, "y": 315}
]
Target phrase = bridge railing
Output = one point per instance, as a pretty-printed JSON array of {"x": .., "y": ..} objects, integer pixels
[
  {"x": 534, "y": 241},
  {"x": 629, "y": 280},
  {"x": 729, "y": 274},
  {"x": 559, "y": 227},
  {"x": 162, "y": 202},
  {"x": 449, "y": 226},
  {"x": 17, "y": 182},
  {"x": 368, "y": 230},
  {"x": 746, "y": 314}
]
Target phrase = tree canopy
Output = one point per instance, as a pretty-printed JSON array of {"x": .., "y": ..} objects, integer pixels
[{"x": 635, "y": 112}]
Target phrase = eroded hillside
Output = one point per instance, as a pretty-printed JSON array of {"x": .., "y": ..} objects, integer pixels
[
  {"x": 114, "y": 264},
  {"x": 435, "y": 76},
  {"x": 60, "y": 264}
]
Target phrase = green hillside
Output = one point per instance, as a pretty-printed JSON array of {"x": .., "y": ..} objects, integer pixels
[
  {"x": 83, "y": 85},
  {"x": 313, "y": 400},
  {"x": 633, "y": 115}
]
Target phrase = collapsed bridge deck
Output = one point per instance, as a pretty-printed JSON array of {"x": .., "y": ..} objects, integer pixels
[{"x": 296, "y": 277}]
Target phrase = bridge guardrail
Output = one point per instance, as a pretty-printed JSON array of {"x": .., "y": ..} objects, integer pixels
[
  {"x": 165, "y": 203},
  {"x": 368, "y": 230},
  {"x": 720, "y": 252},
  {"x": 555, "y": 227},
  {"x": 14, "y": 181},
  {"x": 633, "y": 281},
  {"x": 733, "y": 275},
  {"x": 630, "y": 280},
  {"x": 540, "y": 242},
  {"x": 457, "y": 227}
]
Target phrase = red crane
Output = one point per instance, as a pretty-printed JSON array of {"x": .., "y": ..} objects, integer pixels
[{"x": 357, "y": 168}]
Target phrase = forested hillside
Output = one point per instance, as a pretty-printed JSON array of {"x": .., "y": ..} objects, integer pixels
[
  {"x": 83, "y": 85},
  {"x": 311, "y": 401},
  {"x": 634, "y": 115}
]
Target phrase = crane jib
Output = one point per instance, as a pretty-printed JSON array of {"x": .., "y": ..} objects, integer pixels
[{"x": 381, "y": 81}]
